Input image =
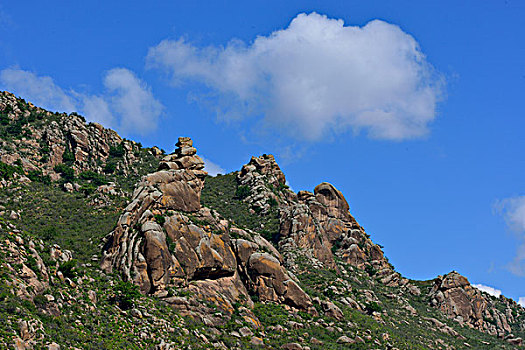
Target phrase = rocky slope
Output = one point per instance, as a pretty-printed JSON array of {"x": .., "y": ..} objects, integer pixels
[
  {"x": 156, "y": 254},
  {"x": 56, "y": 146}
]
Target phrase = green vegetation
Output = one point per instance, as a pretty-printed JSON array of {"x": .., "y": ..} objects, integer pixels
[
  {"x": 36, "y": 175},
  {"x": 160, "y": 219},
  {"x": 96, "y": 178},
  {"x": 7, "y": 171},
  {"x": 125, "y": 294},
  {"x": 68, "y": 157},
  {"x": 224, "y": 195},
  {"x": 242, "y": 192},
  {"x": 48, "y": 212},
  {"x": 86, "y": 323},
  {"x": 270, "y": 314},
  {"x": 115, "y": 154},
  {"x": 67, "y": 172},
  {"x": 117, "y": 151},
  {"x": 68, "y": 268}
]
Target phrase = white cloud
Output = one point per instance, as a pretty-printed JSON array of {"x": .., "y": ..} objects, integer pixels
[
  {"x": 97, "y": 110},
  {"x": 492, "y": 291},
  {"x": 521, "y": 301},
  {"x": 42, "y": 91},
  {"x": 133, "y": 100},
  {"x": 127, "y": 105},
  {"x": 513, "y": 211},
  {"x": 212, "y": 168},
  {"x": 316, "y": 77}
]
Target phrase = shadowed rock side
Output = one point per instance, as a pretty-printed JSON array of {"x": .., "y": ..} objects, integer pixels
[{"x": 164, "y": 239}]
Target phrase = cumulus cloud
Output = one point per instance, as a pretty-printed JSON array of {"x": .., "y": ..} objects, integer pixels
[
  {"x": 315, "y": 77},
  {"x": 513, "y": 211},
  {"x": 96, "y": 109},
  {"x": 127, "y": 104},
  {"x": 40, "y": 90},
  {"x": 133, "y": 99},
  {"x": 212, "y": 168},
  {"x": 492, "y": 291},
  {"x": 521, "y": 301}
]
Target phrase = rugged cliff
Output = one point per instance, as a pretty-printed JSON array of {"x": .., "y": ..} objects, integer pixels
[{"x": 105, "y": 244}]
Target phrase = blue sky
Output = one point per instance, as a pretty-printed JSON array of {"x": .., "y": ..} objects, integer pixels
[{"x": 417, "y": 118}]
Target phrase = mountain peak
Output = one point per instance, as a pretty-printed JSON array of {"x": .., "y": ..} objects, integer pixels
[{"x": 184, "y": 157}]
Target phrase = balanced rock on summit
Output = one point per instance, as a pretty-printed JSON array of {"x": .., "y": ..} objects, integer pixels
[{"x": 138, "y": 246}]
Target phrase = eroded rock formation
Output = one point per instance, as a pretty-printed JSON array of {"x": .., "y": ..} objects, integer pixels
[
  {"x": 459, "y": 300},
  {"x": 315, "y": 225},
  {"x": 166, "y": 239}
]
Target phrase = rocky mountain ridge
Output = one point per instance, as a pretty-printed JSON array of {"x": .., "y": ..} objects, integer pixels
[
  {"x": 58, "y": 145},
  {"x": 239, "y": 260}
]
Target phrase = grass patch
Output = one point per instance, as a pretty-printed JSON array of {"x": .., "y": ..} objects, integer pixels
[{"x": 223, "y": 194}]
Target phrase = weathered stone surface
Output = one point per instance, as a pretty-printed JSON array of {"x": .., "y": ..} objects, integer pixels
[
  {"x": 332, "y": 310},
  {"x": 272, "y": 282},
  {"x": 515, "y": 341},
  {"x": 311, "y": 223},
  {"x": 457, "y": 299},
  {"x": 143, "y": 256},
  {"x": 180, "y": 251},
  {"x": 345, "y": 340},
  {"x": 266, "y": 182},
  {"x": 157, "y": 257}
]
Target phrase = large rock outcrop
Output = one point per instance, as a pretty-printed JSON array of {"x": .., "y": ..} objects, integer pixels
[
  {"x": 315, "y": 225},
  {"x": 266, "y": 183},
  {"x": 459, "y": 300},
  {"x": 165, "y": 239},
  {"x": 138, "y": 246}
]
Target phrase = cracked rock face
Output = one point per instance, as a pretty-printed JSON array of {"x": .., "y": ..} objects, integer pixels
[
  {"x": 266, "y": 182},
  {"x": 166, "y": 239},
  {"x": 311, "y": 224},
  {"x": 138, "y": 246},
  {"x": 457, "y": 299}
]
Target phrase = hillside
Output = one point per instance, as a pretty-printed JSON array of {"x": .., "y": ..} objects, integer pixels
[{"x": 106, "y": 244}]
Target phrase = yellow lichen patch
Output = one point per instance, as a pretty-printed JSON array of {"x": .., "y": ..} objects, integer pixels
[{"x": 252, "y": 320}]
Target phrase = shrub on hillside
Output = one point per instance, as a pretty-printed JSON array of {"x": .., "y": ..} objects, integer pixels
[
  {"x": 7, "y": 171},
  {"x": 117, "y": 151},
  {"x": 242, "y": 192},
  {"x": 96, "y": 178},
  {"x": 67, "y": 172},
  {"x": 68, "y": 157},
  {"x": 125, "y": 294},
  {"x": 68, "y": 268},
  {"x": 160, "y": 219},
  {"x": 110, "y": 167}
]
